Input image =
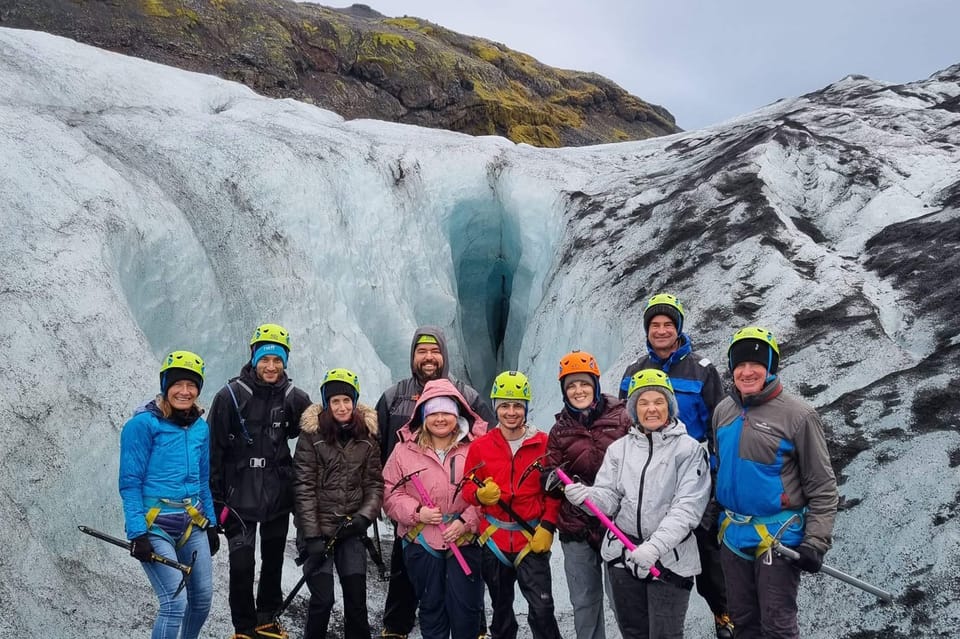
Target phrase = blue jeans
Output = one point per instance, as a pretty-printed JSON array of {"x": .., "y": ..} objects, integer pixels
[
  {"x": 451, "y": 603},
  {"x": 583, "y": 568},
  {"x": 189, "y": 609}
]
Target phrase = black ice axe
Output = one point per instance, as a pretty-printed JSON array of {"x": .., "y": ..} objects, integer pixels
[
  {"x": 160, "y": 559},
  {"x": 318, "y": 562}
]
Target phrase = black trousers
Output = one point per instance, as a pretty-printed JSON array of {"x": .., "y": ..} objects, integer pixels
[
  {"x": 710, "y": 582},
  {"x": 350, "y": 558},
  {"x": 245, "y": 612},
  {"x": 533, "y": 575},
  {"x": 763, "y": 602}
]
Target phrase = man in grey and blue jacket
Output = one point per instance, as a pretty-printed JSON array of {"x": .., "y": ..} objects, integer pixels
[{"x": 775, "y": 485}]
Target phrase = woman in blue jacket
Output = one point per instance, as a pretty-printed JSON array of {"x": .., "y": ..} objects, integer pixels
[{"x": 164, "y": 485}]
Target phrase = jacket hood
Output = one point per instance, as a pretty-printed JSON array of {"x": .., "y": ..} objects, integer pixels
[
  {"x": 436, "y": 333},
  {"x": 310, "y": 420},
  {"x": 149, "y": 407},
  {"x": 443, "y": 388}
]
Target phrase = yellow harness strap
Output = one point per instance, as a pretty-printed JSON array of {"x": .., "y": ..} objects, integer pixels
[
  {"x": 196, "y": 517},
  {"x": 486, "y": 540},
  {"x": 759, "y": 524}
]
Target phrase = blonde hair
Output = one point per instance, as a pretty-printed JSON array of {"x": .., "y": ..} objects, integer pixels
[{"x": 425, "y": 438}]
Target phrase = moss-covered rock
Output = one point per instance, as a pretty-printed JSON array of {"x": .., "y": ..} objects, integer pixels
[{"x": 359, "y": 63}]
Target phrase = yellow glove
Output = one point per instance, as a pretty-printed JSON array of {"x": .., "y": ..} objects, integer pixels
[
  {"x": 542, "y": 539},
  {"x": 489, "y": 493}
]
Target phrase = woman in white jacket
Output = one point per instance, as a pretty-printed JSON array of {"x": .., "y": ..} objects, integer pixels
[{"x": 655, "y": 484}]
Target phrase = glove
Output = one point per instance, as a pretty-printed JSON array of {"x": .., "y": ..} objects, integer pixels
[
  {"x": 576, "y": 493},
  {"x": 639, "y": 560},
  {"x": 213, "y": 537},
  {"x": 317, "y": 547},
  {"x": 810, "y": 558},
  {"x": 542, "y": 537},
  {"x": 356, "y": 527},
  {"x": 489, "y": 493},
  {"x": 141, "y": 548}
]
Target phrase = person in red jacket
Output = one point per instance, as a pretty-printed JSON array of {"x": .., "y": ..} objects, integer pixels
[
  {"x": 504, "y": 461},
  {"x": 589, "y": 422}
]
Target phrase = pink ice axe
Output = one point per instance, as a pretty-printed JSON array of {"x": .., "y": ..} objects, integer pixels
[
  {"x": 425, "y": 498},
  {"x": 612, "y": 527}
]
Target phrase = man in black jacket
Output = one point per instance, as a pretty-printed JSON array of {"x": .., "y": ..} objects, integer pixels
[
  {"x": 428, "y": 360},
  {"x": 251, "y": 474}
]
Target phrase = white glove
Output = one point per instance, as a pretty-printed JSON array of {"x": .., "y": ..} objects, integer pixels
[
  {"x": 639, "y": 560},
  {"x": 576, "y": 493}
]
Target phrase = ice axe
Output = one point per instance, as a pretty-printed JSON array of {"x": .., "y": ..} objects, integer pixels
[
  {"x": 406, "y": 478},
  {"x": 160, "y": 559},
  {"x": 612, "y": 527},
  {"x": 303, "y": 579},
  {"x": 790, "y": 553},
  {"x": 376, "y": 552},
  {"x": 507, "y": 508},
  {"x": 426, "y": 501},
  {"x": 532, "y": 466}
]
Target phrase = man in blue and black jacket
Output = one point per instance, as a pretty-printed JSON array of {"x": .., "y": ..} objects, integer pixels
[{"x": 698, "y": 389}]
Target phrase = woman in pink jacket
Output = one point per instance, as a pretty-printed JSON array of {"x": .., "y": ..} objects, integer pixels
[{"x": 432, "y": 446}]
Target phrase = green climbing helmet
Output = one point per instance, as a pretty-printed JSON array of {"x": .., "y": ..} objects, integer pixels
[
  {"x": 754, "y": 344},
  {"x": 511, "y": 385},
  {"x": 184, "y": 360},
  {"x": 334, "y": 380},
  {"x": 663, "y": 304},
  {"x": 273, "y": 333},
  {"x": 649, "y": 377}
]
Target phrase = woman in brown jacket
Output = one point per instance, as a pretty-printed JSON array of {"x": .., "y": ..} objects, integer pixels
[{"x": 338, "y": 491}]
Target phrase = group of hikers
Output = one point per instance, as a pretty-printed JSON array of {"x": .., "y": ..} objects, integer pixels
[{"x": 674, "y": 483}]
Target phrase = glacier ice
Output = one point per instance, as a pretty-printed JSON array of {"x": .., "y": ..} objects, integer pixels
[{"x": 146, "y": 208}]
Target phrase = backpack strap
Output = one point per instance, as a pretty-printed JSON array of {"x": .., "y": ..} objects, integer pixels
[{"x": 243, "y": 422}]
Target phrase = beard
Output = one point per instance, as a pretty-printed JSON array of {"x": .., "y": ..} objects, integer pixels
[{"x": 426, "y": 377}]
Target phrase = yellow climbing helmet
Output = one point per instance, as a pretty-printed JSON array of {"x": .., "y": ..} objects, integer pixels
[
  {"x": 273, "y": 333},
  {"x": 333, "y": 384},
  {"x": 177, "y": 361},
  {"x": 649, "y": 377},
  {"x": 511, "y": 385},
  {"x": 754, "y": 344},
  {"x": 663, "y": 304}
]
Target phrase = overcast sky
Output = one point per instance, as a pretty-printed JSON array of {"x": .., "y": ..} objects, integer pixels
[{"x": 709, "y": 60}]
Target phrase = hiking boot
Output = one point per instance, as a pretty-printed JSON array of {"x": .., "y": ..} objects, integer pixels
[
  {"x": 245, "y": 634},
  {"x": 724, "y": 626},
  {"x": 392, "y": 635}
]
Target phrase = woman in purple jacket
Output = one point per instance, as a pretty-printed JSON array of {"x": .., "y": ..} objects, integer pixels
[{"x": 589, "y": 422}]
